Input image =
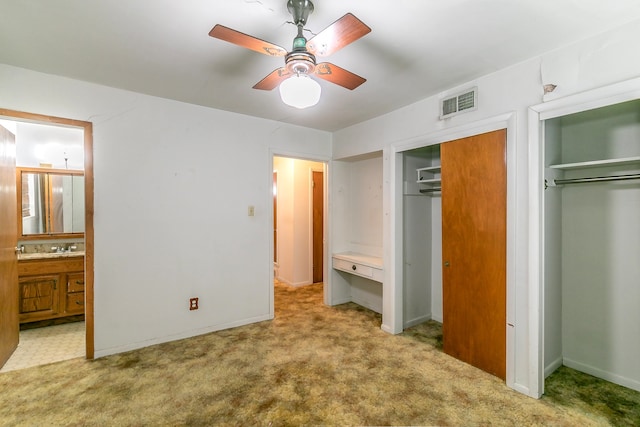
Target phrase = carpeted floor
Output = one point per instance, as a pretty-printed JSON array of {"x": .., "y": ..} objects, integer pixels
[{"x": 312, "y": 365}]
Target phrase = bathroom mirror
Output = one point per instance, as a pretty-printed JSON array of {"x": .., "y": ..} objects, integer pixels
[{"x": 50, "y": 203}]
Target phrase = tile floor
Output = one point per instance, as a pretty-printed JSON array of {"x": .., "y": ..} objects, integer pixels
[{"x": 47, "y": 345}]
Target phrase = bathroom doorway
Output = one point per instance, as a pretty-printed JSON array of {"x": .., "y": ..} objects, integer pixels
[
  {"x": 53, "y": 146},
  {"x": 298, "y": 213}
]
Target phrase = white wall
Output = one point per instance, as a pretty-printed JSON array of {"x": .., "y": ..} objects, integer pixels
[
  {"x": 295, "y": 219},
  {"x": 38, "y": 143},
  {"x": 172, "y": 185},
  {"x": 607, "y": 58},
  {"x": 285, "y": 197},
  {"x": 552, "y": 254},
  {"x": 364, "y": 206}
]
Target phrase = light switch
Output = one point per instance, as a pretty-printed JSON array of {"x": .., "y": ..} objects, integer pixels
[{"x": 251, "y": 211}]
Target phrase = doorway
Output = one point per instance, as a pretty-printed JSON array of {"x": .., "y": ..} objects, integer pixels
[
  {"x": 298, "y": 213},
  {"x": 69, "y": 159}
]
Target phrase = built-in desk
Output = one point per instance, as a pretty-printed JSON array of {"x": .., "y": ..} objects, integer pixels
[{"x": 358, "y": 264}]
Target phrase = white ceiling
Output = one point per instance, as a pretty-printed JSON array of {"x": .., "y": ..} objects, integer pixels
[{"x": 417, "y": 48}]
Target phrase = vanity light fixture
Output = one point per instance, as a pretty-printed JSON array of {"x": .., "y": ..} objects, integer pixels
[{"x": 300, "y": 91}]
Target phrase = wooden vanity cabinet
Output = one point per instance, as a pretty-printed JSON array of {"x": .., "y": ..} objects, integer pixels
[{"x": 50, "y": 288}]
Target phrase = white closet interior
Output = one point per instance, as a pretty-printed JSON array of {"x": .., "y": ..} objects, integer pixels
[
  {"x": 422, "y": 229},
  {"x": 592, "y": 243}
]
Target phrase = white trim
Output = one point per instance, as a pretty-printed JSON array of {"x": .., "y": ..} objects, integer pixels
[
  {"x": 392, "y": 258},
  {"x": 506, "y": 121},
  {"x": 601, "y": 97},
  {"x": 551, "y": 368},
  {"x": 536, "y": 257},
  {"x": 418, "y": 320},
  {"x": 606, "y": 375},
  {"x": 182, "y": 335}
]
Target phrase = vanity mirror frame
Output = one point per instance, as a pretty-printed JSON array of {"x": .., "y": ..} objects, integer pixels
[{"x": 49, "y": 171}]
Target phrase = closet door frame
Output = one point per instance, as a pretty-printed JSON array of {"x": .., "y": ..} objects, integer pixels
[
  {"x": 393, "y": 258},
  {"x": 601, "y": 97}
]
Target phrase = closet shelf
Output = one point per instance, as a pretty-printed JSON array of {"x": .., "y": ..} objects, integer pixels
[
  {"x": 428, "y": 175},
  {"x": 430, "y": 169},
  {"x": 597, "y": 163},
  {"x": 429, "y": 181}
]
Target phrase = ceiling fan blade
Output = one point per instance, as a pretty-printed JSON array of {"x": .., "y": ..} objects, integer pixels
[
  {"x": 344, "y": 31},
  {"x": 273, "y": 80},
  {"x": 241, "y": 39},
  {"x": 334, "y": 74}
]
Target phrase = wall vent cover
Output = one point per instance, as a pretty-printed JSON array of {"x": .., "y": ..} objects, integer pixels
[{"x": 460, "y": 103}]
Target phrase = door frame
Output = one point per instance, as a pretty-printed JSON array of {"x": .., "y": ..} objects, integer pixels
[
  {"x": 392, "y": 316},
  {"x": 601, "y": 97},
  {"x": 326, "y": 176},
  {"x": 88, "y": 209}
]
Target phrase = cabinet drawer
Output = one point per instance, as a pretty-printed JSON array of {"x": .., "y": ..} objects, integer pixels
[
  {"x": 75, "y": 302},
  {"x": 353, "y": 267},
  {"x": 75, "y": 282}
]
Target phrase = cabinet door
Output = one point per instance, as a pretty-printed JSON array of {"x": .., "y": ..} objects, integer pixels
[
  {"x": 474, "y": 179},
  {"x": 39, "y": 297}
]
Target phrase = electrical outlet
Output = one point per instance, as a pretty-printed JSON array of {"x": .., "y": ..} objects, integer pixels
[{"x": 193, "y": 303}]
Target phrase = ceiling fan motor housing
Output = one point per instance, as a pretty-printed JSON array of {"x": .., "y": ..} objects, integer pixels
[{"x": 298, "y": 62}]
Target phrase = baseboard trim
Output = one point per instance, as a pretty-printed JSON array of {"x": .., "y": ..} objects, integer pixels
[
  {"x": 417, "y": 321},
  {"x": 367, "y": 305},
  {"x": 340, "y": 301},
  {"x": 605, "y": 375},
  {"x": 187, "y": 334},
  {"x": 551, "y": 367}
]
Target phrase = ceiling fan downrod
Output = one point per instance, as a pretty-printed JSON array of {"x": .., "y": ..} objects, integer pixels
[{"x": 299, "y": 60}]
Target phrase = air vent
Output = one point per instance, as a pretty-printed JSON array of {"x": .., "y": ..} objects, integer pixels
[{"x": 462, "y": 102}]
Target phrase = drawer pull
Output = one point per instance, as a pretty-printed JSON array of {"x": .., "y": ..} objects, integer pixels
[
  {"x": 79, "y": 282},
  {"x": 353, "y": 267},
  {"x": 79, "y": 303}
]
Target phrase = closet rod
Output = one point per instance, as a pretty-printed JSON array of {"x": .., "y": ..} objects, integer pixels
[
  {"x": 430, "y": 190},
  {"x": 596, "y": 179}
]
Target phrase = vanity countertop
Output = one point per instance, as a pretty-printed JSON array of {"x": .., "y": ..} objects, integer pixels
[{"x": 50, "y": 255}]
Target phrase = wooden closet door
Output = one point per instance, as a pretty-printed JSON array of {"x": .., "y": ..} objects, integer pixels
[{"x": 474, "y": 212}]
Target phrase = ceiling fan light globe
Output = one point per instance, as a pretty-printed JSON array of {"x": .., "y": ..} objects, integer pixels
[{"x": 300, "y": 91}]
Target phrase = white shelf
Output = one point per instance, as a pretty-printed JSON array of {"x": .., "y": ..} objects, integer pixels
[
  {"x": 428, "y": 175},
  {"x": 430, "y": 181},
  {"x": 430, "y": 169},
  {"x": 598, "y": 163}
]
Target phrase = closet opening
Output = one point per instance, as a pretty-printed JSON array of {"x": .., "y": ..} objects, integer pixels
[
  {"x": 591, "y": 242},
  {"x": 455, "y": 245}
]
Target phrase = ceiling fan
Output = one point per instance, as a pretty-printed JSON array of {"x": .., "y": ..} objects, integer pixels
[{"x": 300, "y": 62}]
